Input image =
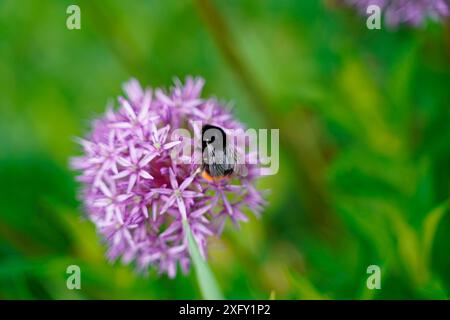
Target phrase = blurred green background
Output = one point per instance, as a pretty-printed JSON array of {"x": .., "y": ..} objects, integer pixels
[{"x": 364, "y": 128}]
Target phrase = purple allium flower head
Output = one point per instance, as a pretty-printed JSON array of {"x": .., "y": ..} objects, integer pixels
[
  {"x": 137, "y": 195},
  {"x": 412, "y": 12}
]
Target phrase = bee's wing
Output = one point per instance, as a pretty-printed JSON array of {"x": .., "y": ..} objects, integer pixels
[
  {"x": 213, "y": 161},
  {"x": 233, "y": 161},
  {"x": 219, "y": 163}
]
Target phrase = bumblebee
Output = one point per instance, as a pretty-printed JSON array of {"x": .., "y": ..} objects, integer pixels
[{"x": 218, "y": 159}]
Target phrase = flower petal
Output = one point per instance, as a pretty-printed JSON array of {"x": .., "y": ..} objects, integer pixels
[
  {"x": 145, "y": 175},
  {"x": 131, "y": 182},
  {"x": 173, "y": 180},
  {"x": 127, "y": 107},
  {"x": 182, "y": 208}
]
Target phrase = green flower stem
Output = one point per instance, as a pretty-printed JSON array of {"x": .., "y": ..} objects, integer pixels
[{"x": 208, "y": 285}]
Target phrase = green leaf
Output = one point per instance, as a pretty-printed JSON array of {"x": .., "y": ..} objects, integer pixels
[
  {"x": 429, "y": 227},
  {"x": 305, "y": 289},
  {"x": 409, "y": 247},
  {"x": 206, "y": 281}
]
